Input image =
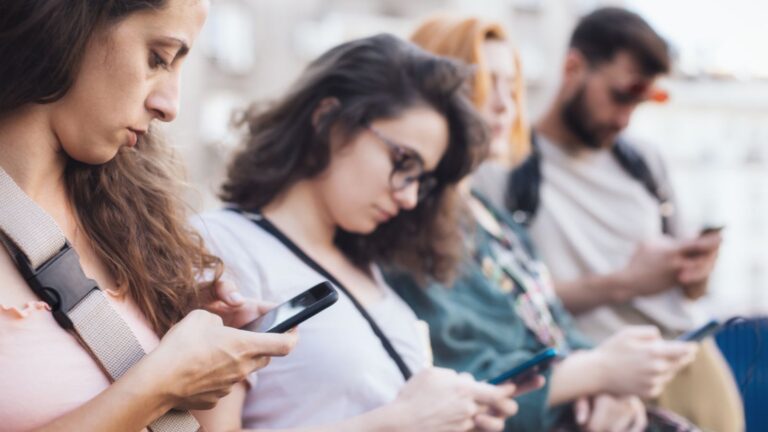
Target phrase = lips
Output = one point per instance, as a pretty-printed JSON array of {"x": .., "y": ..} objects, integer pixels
[
  {"x": 383, "y": 215},
  {"x": 134, "y": 136}
]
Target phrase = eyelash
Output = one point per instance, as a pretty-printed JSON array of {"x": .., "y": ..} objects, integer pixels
[{"x": 157, "y": 61}]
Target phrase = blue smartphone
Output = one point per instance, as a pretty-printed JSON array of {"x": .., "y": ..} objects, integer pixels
[
  {"x": 295, "y": 311},
  {"x": 527, "y": 370},
  {"x": 697, "y": 335}
]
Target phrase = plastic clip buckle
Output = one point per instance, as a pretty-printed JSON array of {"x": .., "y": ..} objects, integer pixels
[{"x": 60, "y": 282}]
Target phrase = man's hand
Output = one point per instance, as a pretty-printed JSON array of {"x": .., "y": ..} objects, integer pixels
[
  {"x": 700, "y": 255},
  {"x": 653, "y": 268}
]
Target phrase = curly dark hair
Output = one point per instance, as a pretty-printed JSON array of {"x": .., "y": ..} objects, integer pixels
[{"x": 378, "y": 77}]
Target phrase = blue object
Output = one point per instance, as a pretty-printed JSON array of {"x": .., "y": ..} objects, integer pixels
[{"x": 745, "y": 346}]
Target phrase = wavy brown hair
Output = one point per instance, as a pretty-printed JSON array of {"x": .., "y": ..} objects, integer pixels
[
  {"x": 129, "y": 207},
  {"x": 379, "y": 77}
]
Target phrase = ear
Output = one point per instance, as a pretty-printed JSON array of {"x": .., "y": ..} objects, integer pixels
[
  {"x": 325, "y": 107},
  {"x": 574, "y": 67}
]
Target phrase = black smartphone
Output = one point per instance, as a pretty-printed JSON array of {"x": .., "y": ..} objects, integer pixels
[
  {"x": 697, "y": 335},
  {"x": 295, "y": 311},
  {"x": 711, "y": 229},
  {"x": 527, "y": 370}
]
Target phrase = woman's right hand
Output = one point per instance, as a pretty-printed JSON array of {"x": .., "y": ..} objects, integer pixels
[
  {"x": 637, "y": 361},
  {"x": 199, "y": 360},
  {"x": 606, "y": 413},
  {"x": 442, "y": 400}
]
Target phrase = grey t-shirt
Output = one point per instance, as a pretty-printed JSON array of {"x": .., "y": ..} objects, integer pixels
[{"x": 591, "y": 216}]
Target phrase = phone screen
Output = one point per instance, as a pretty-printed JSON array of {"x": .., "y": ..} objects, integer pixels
[
  {"x": 527, "y": 370},
  {"x": 711, "y": 229},
  {"x": 708, "y": 329},
  {"x": 289, "y": 314}
]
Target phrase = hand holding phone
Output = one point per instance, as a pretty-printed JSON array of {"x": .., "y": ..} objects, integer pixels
[
  {"x": 527, "y": 370},
  {"x": 296, "y": 310}
]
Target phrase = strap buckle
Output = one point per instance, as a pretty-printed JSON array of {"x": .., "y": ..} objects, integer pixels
[{"x": 60, "y": 282}]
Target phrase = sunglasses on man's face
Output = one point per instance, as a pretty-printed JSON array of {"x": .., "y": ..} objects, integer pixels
[{"x": 407, "y": 167}]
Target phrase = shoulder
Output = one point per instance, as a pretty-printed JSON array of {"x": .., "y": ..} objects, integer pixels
[
  {"x": 650, "y": 154},
  {"x": 226, "y": 232},
  {"x": 240, "y": 244}
]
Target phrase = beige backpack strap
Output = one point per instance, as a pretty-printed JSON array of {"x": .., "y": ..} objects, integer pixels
[{"x": 52, "y": 269}]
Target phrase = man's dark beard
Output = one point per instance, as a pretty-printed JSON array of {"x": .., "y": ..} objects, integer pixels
[{"x": 575, "y": 116}]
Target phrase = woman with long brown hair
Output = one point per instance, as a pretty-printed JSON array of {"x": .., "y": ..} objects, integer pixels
[
  {"x": 355, "y": 164},
  {"x": 82, "y": 83}
]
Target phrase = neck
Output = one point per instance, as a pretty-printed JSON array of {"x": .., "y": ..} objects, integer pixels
[
  {"x": 31, "y": 154},
  {"x": 300, "y": 212},
  {"x": 481, "y": 214},
  {"x": 551, "y": 126}
]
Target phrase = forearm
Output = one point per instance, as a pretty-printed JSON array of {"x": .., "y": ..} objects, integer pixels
[
  {"x": 129, "y": 404},
  {"x": 228, "y": 413},
  {"x": 588, "y": 292},
  {"x": 388, "y": 418},
  {"x": 578, "y": 375}
]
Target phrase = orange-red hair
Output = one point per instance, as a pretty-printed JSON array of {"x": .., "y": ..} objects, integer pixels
[{"x": 463, "y": 38}]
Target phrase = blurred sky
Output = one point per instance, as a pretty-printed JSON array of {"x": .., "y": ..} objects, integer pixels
[{"x": 713, "y": 36}]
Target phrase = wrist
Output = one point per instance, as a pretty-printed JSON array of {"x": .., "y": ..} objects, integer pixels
[
  {"x": 594, "y": 360},
  {"x": 392, "y": 417},
  {"x": 153, "y": 385},
  {"x": 619, "y": 287},
  {"x": 579, "y": 375}
]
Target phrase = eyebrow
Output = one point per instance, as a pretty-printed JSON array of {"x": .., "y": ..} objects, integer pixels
[
  {"x": 410, "y": 151},
  {"x": 175, "y": 42}
]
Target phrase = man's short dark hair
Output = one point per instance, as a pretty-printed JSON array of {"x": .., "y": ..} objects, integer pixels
[{"x": 605, "y": 32}]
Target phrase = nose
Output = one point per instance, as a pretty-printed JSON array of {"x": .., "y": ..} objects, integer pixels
[
  {"x": 163, "y": 100},
  {"x": 501, "y": 100},
  {"x": 408, "y": 197}
]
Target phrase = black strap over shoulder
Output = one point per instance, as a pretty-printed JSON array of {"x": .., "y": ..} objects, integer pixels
[
  {"x": 634, "y": 164},
  {"x": 524, "y": 182},
  {"x": 269, "y": 227},
  {"x": 523, "y": 185}
]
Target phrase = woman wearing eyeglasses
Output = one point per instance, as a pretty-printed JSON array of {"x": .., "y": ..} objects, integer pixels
[{"x": 356, "y": 164}]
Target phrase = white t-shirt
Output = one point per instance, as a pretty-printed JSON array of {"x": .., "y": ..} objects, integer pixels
[
  {"x": 591, "y": 217},
  {"x": 339, "y": 368}
]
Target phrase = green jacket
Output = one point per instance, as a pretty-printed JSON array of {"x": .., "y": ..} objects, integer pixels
[{"x": 474, "y": 327}]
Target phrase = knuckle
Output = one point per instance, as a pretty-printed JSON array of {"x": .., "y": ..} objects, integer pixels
[{"x": 285, "y": 348}]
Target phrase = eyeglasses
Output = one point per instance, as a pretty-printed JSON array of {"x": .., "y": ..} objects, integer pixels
[{"x": 407, "y": 167}]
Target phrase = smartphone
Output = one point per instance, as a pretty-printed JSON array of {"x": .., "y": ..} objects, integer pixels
[
  {"x": 711, "y": 229},
  {"x": 527, "y": 370},
  {"x": 697, "y": 335},
  {"x": 295, "y": 311}
]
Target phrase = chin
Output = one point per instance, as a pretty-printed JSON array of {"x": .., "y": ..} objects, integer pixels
[
  {"x": 360, "y": 227},
  {"x": 100, "y": 158},
  {"x": 93, "y": 154}
]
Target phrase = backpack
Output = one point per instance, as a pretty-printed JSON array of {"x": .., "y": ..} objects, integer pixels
[{"x": 523, "y": 187}]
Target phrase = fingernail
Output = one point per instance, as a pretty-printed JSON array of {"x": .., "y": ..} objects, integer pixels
[
  {"x": 235, "y": 297},
  {"x": 580, "y": 417}
]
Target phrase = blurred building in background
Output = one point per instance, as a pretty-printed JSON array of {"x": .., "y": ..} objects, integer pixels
[{"x": 713, "y": 129}]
